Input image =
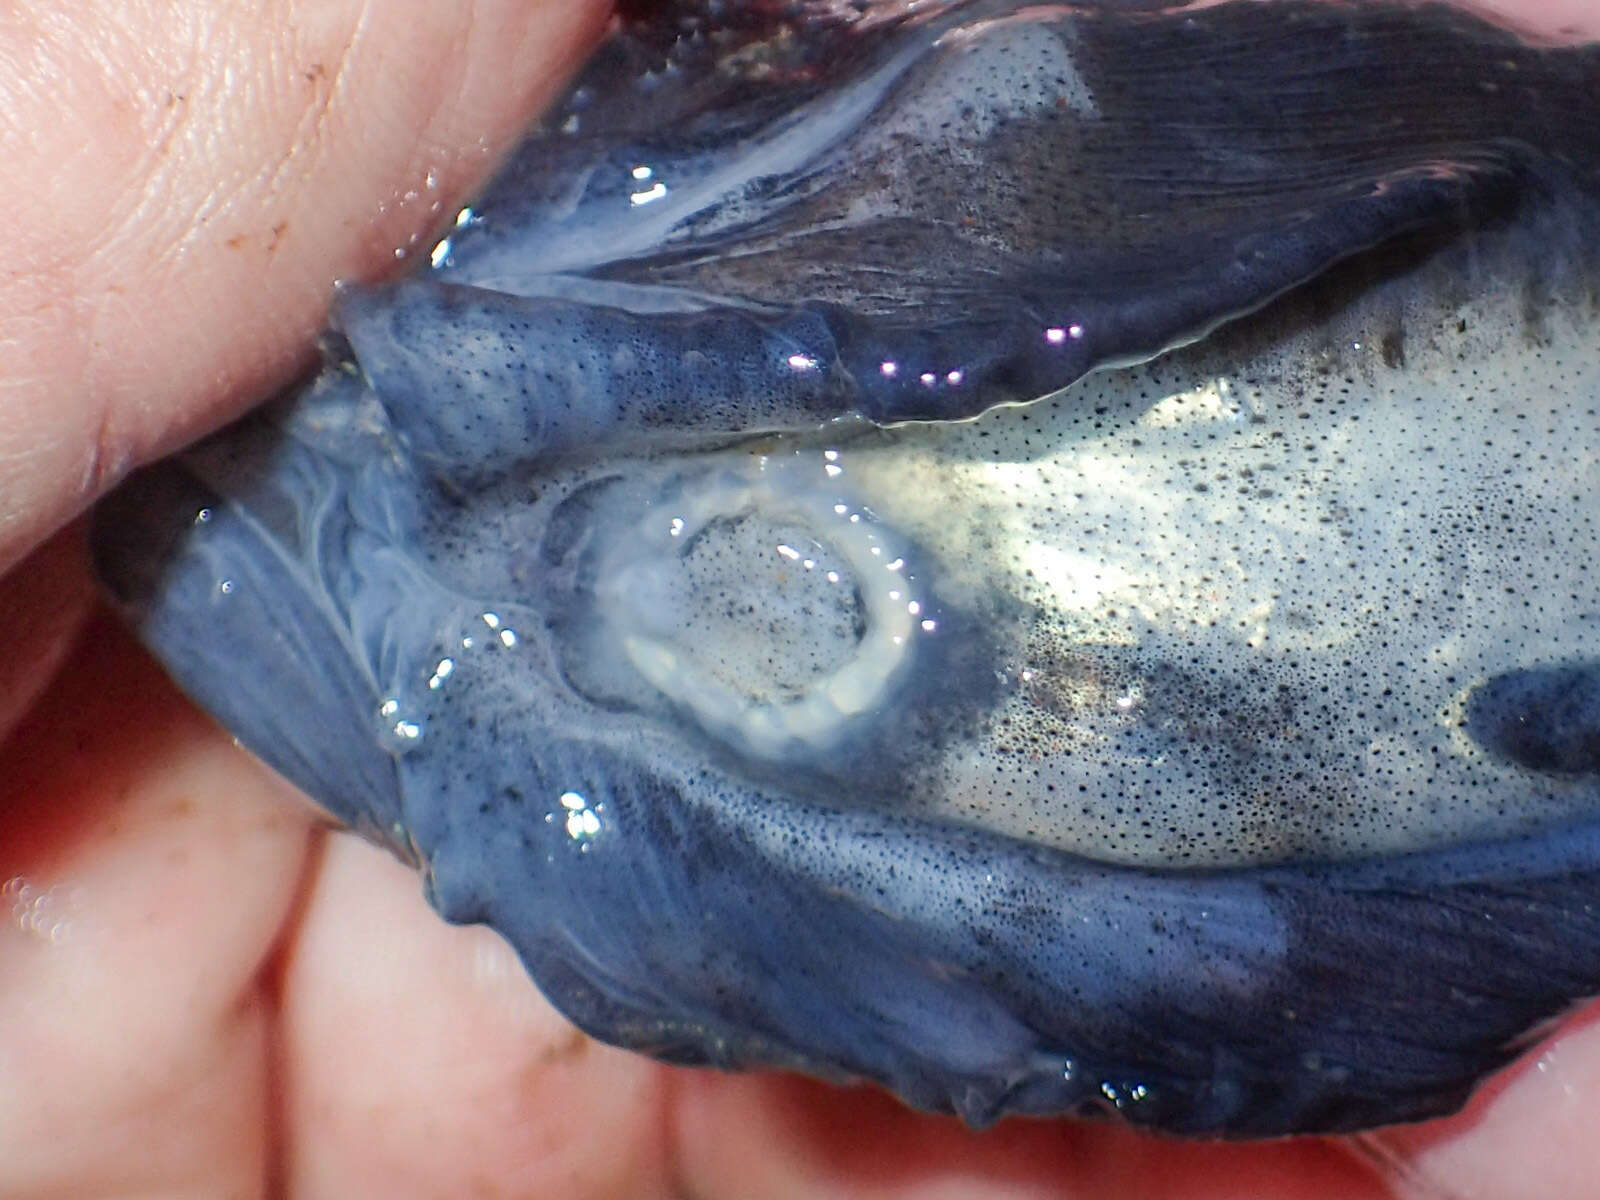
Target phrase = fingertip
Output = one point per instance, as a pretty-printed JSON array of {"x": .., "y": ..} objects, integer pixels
[
  {"x": 1545, "y": 1100},
  {"x": 417, "y": 1055}
]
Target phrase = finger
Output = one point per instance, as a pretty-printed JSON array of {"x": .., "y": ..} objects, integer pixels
[
  {"x": 770, "y": 1136},
  {"x": 1560, "y": 20},
  {"x": 420, "y": 1061},
  {"x": 1547, "y": 1101},
  {"x": 146, "y": 866},
  {"x": 191, "y": 179}
]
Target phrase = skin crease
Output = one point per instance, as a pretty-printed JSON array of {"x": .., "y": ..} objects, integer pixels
[{"x": 201, "y": 992}]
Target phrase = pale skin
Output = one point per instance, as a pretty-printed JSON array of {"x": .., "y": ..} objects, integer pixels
[{"x": 204, "y": 992}]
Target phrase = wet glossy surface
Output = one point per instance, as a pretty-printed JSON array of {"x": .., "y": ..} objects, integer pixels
[{"x": 747, "y": 571}]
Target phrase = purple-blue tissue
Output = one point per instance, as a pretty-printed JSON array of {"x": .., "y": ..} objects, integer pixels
[{"x": 1044, "y": 556}]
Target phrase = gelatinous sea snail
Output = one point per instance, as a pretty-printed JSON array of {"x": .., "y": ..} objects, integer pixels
[{"x": 1043, "y": 556}]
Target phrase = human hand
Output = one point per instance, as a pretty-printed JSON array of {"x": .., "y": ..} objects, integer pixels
[{"x": 200, "y": 991}]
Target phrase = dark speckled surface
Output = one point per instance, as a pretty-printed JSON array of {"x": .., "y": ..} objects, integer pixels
[{"x": 1219, "y": 750}]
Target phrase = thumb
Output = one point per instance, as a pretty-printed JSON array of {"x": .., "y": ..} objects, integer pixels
[{"x": 185, "y": 182}]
